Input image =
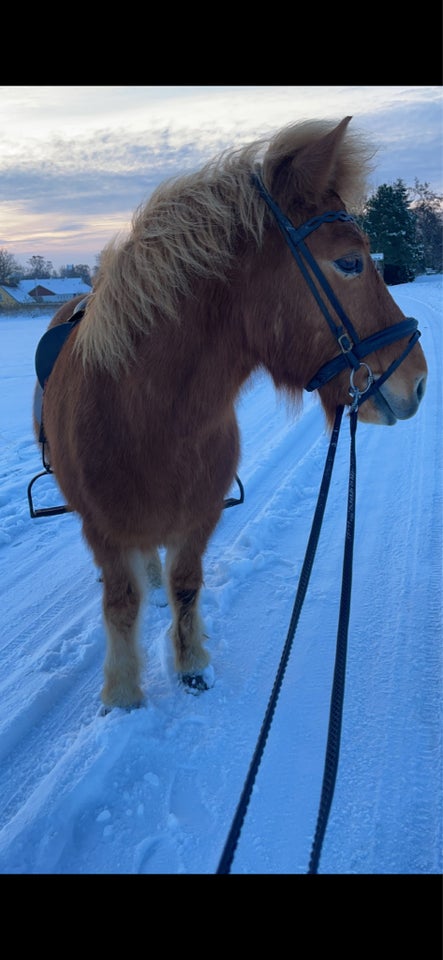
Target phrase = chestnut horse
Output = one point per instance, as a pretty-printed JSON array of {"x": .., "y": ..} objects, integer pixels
[{"x": 139, "y": 409}]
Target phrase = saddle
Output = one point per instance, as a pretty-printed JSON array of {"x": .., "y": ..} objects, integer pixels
[{"x": 46, "y": 354}]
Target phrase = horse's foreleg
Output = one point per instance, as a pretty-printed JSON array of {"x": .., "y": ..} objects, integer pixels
[
  {"x": 184, "y": 573},
  {"x": 122, "y": 595}
]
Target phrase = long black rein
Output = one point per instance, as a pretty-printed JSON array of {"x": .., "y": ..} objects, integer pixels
[
  {"x": 352, "y": 351},
  {"x": 331, "y": 762}
]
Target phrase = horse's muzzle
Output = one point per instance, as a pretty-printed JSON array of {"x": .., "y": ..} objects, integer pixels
[{"x": 393, "y": 407}]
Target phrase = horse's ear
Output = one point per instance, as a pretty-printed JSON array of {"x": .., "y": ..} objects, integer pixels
[
  {"x": 310, "y": 170},
  {"x": 318, "y": 162}
]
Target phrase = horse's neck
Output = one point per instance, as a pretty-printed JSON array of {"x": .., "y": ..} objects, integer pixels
[{"x": 201, "y": 360}]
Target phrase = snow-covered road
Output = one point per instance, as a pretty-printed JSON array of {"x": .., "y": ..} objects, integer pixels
[{"x": 155, "y": 790}]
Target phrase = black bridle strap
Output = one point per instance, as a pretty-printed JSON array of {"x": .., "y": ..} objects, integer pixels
[
  {"x": 393, "y": 366},
  {"x": 295, "y": 239},
  {"x": 374, "y": 342}
]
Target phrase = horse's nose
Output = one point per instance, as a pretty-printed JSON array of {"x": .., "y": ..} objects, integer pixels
[{"x": 420, "y": 387}]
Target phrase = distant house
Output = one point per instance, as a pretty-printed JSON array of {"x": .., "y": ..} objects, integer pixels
[
  {"x": 42, "y": 292},
  {"x": 379, "y": 260}
]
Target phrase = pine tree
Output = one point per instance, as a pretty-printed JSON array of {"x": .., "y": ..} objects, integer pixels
[
  {"x": 427, "y": 207},
  {"x": 391, "y": 228}
]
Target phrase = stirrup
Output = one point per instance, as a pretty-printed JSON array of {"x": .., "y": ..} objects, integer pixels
[
  {"x": 233, "y": 501},
  {"x": 44, "y": 511}
]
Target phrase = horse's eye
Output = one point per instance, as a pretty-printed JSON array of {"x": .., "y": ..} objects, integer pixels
[{"x": 349, "y": 265}]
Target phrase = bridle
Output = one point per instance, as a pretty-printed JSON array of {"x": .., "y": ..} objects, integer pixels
[{"x": 352, "y": 348}]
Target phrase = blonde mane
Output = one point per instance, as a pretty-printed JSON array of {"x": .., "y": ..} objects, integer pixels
[{"x": 190, "y": 227}]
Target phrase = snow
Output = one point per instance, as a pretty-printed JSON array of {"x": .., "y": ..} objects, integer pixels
[
  {"x": 60, "y": 287},
  {"x": 155, "y": 790}
]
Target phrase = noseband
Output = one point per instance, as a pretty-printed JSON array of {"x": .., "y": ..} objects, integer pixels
[{"x": 352, "y": 348}]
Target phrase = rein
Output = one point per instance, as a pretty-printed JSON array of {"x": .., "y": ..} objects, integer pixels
[
  {"x": 335, "y": 718},
  {"x": 352, "y": 351}
]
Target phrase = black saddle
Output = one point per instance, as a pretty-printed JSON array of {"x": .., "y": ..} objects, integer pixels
[{"x": 52, "y": 341}]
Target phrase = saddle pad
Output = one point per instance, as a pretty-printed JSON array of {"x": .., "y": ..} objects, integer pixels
[{"x": 49, "y": 348}]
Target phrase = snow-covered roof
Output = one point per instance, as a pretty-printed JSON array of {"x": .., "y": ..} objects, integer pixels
[{"x": 59, "y": 288}]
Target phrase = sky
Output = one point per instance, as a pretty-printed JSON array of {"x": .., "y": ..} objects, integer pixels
[
  {"x": 76, "y": 161},
  {"x": 154, "y": 791}
]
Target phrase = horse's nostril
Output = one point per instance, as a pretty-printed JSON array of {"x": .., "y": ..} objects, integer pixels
[{"x": 421, "y": 387}]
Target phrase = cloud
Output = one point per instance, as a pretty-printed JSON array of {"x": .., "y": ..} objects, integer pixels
[{"x": 76, "y": 162}]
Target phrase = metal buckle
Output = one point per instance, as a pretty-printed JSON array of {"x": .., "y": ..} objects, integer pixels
[{"x": 343, "y": 348}]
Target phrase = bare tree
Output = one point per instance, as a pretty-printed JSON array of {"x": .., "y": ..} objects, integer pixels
[
  {"x": 10, "y": 270},
  {"x": 39, "y": 268}
]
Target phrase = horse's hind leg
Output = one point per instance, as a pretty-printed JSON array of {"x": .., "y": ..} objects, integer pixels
[
  {"x": 122, "y": 596},
  {"x": 184, "y": 572}
]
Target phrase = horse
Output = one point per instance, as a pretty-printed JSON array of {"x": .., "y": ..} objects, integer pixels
[{"x": 208, "y": 286}]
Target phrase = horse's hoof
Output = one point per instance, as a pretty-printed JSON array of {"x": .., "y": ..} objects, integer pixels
[
  {"x": 106, "y": 708},
  {"x": 113, "y": 698},
  {"x": 198, "y": 682},
  {"x": 194, "y": 683}
]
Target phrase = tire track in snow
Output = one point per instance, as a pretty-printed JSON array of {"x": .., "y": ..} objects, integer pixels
[
  {"x": 176, "y": 796},
  {"x": 392, "y": 682}
]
